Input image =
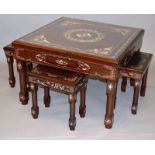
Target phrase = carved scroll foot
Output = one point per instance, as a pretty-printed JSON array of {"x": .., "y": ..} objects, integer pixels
[
  {"x": 72, "y": 123},
  {"x": 35, "y": 112},
  {"x": 134, "y": 110},
  {"x": 23, "y": 98},
  {"x": 108, "y": 122},
  {"x": 12, "y": 82}
]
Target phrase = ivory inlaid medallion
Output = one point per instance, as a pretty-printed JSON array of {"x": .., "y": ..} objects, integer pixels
[{"x": 84, "y": 35}]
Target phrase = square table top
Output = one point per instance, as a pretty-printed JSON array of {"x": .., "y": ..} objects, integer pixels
[{"x": 85, "y": 37}]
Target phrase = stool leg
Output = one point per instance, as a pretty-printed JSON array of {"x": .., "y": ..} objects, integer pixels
[
  {"x": 135, "y": 96},
  {"x": 144, "y": 83},
  {"x": 132, "y": 81},
  {"x": 29, "y": 66},
  {"x": 82, "y": 108},
  {"x": 72, "y": 120},
  {"x": 47, "y": 97},
  {"x": 11, "y": 71},
  {"x": 35, "y": 108},
  {"x": 124, "y": 83}
]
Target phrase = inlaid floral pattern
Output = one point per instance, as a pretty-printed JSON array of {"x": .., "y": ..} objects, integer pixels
[
  {"x": 68, "y": 22},
  {"x": 41, "y": 39},
  {"x": 122, "y": 31},
  {"x": 103, "y": 51}
]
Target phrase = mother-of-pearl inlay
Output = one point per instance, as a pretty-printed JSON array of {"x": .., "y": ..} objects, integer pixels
[{"x": 84, "y": 35}]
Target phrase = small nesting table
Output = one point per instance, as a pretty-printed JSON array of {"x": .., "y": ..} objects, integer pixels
[
  {"x": 63, "y": 81},
  {"x": 85, "y": 47}
]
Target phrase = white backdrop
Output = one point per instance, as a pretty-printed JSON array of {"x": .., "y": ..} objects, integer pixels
[{"x": 16, "y": 121}]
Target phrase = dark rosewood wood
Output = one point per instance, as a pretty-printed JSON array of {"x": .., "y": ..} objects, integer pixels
[
  {"x": 85, "y": 47},
  {"x": 47, "y": 97},
  {"x": 59, "y": 80},
  {"x": 137, "y": 71},
  {"x": 35, "y": 108},
  {"x": 82, "y": 108}
]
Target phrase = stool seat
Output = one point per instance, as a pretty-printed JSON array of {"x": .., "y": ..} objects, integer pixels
[
  {"x": 59, "y": 80},
  {"x": 137, "y": 71},
  {"x": 138, "y": 64}
]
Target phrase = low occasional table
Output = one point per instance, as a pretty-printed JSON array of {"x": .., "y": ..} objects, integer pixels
[{"x": 86, "y": 47}]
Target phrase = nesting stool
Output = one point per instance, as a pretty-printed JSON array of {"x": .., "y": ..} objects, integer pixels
[
  {"x": 137, "y": 71},
  {"x": 58, "y": 80}
]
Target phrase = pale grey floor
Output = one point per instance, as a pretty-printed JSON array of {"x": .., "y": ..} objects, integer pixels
[{"x": 16, "y": 121}]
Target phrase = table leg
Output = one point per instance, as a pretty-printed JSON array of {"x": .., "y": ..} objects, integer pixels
[
  {"x": 23, "y": 95},
  {"x": 111, "y": 93},
  {"x": 11, "y": 71}
]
